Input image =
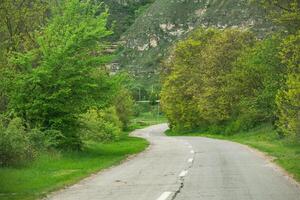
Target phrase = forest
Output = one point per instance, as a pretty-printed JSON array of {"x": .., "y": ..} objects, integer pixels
[
  {"x": 232, "y": 80},
  {"x": 54, "y": 82},
  {"x": 65, "y": 114}
]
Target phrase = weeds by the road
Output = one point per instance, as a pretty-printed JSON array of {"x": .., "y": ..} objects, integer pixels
[{"x": 54, "y": 170}]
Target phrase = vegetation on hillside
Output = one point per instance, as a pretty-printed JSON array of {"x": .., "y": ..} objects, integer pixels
[
  {"x": 227, "y": 81},
  {"x": 247, "y": 93},
  {"x": 122, "y": 15},
  {"x": 60, "y": 104},
  {"x": 63, "y": 115},
  {"x": 152, "y": 34}
]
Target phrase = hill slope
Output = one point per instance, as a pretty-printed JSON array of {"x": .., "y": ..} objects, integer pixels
[{"x": 166, "y": 21}]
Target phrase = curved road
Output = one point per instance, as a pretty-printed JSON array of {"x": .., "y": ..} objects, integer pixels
[{"x": 186, "y": 168}]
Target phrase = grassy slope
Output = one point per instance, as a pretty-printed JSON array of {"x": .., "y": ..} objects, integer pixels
[
  {"x": 53, "y": 171},
  {"x": 265, "y": 139}
]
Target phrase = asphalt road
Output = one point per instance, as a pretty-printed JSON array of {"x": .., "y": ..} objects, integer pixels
[{"x": 187, "y": 168}]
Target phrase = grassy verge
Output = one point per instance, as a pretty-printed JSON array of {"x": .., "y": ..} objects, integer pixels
[
  {"x": 285, "y": 153},
  {"x": 147, "y": 119},
  {"x": 52, "y": 171}
]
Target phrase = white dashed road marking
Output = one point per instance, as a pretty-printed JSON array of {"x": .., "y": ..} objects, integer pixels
[
  {"x": 190, "y": 160},
  {"x": 164, "y": 196},
  {"x": 183, "y": 173},
  {"x": 192, "y": 151}
]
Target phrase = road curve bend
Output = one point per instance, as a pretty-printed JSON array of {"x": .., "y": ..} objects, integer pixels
[{"x": 186, "y": 168}]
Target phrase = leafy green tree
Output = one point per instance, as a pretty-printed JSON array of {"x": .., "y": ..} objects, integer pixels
[
  {"x": 101, "y": 125},
  {"x": 288, "y": 99},
  {"x": 253, "y": 84},
  {"x": 287, "y": 14},
  {"x": 193, "y": 93},
  {"x": 19, "y": 19},
  {"x": 68, "y": 77},
  {"x": 124, "y": 106},
  {"x": 219, "y": 58},
  {"x": 182, "y": 80}
]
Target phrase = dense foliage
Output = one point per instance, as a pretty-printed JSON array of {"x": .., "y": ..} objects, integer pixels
[
  {"x": 101, "y": 125},
  {"x": 198, "y": 69},
  {"x": 15, "y": 145},
  {"x": 67, "y": 78},
  {"x": 56, "y": 91},
  {"x": 229, "y": 80},
  {"x": 288, "y": 99}
]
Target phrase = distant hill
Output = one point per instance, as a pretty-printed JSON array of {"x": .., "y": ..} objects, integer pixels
[
  {"x": 148, "y": 39},
  {"x": 123, "y": 14}
]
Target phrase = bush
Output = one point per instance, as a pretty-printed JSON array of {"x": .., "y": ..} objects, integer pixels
[
  {"x": 101, "y": 125},
  {"x": 65, "y": 76},
  {"x": 288, "y": 98},
  {"x": 141, "y": 107},
  {"x": 49, "y": 139},
  {"x": 194, "y": 80},
  {"x": 15, "y": 146},
  {"x": 124, "y": 106}
]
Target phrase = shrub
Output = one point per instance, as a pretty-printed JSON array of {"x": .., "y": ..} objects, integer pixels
[
  {"x": 101, "y": 125},
  {"x": 124, "y": 106},
  {"x": 288, "y": 98},
  {"x": 194, "y": 80},
  {"x": 15, "y": 146},
  {"x": 49, "y": 139},
  {"x": 65, "y": 81}
]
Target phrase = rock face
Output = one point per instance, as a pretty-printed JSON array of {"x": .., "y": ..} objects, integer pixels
[{"x": 166, "y": 21}]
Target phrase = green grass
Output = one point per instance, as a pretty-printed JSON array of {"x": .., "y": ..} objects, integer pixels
[
  {"x": 52, "y": 171},
  {"x": 147, "y": 119},
  {"x": 286, "y": 153}
]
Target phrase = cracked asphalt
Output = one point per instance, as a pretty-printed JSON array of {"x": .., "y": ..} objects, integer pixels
[{"x": 186, "y": 168}]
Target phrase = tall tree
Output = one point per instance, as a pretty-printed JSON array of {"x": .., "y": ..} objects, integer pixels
[
  {"x": 253, "y": 84},
  {"x": 288, "y": 99},
  {"x": 194, "y": 82},
  {"x": 19, "y": 19},
  {"x": 68, "y": 78}
]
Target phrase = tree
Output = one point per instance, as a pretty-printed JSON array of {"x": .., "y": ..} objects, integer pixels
[
  {"x": 287, "y": 14},
  {"x": 68, "y": 78},
  {"x": 219, "y": 58},
  {"x": 288, "y": 99},
  {"x": 182, "y": 80},
  {"x": 124, "y": 106},
  {"x": 193, "y": 91},
  {"x": 253, "y": 84},
  {"x": 19, "y": 19}
]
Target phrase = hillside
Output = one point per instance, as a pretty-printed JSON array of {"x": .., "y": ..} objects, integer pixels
[
  {"x": 165, "y": 21},
  {"x": 123, "y": 14}
]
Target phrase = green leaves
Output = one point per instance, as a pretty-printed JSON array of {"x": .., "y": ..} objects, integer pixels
[
  {"x": 283, "y": 13},
  {"x": 288, "y": 99},
  {"x": 69, "y": 76},
  {"x": 194, "y": 93}
]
